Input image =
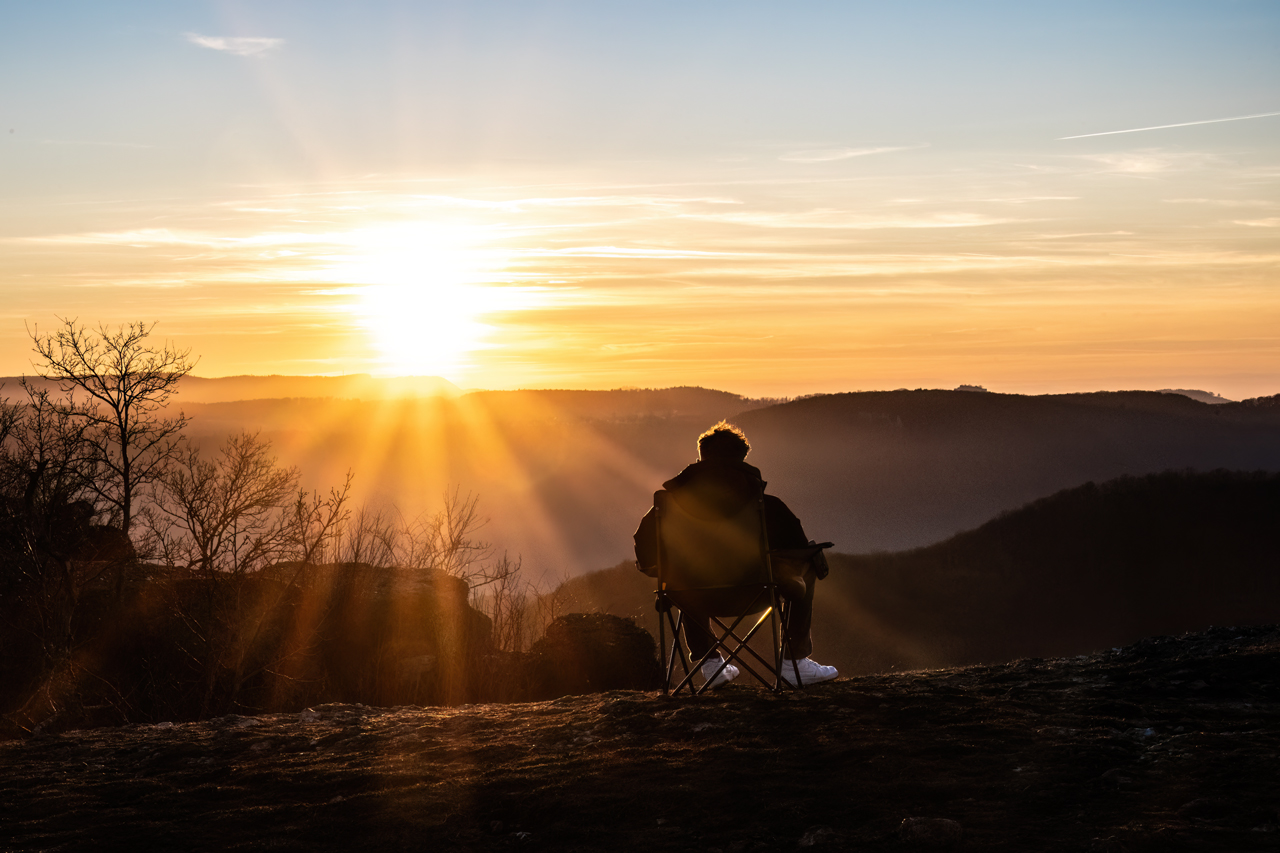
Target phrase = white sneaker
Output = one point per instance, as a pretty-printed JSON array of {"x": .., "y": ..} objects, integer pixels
[
  {"x": 729, "y": 673},
  {"x": 811, "y": 672}
]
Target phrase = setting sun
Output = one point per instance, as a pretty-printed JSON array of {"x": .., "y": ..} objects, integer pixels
[
  {"x": 420, "y": 307},
  {"x": 422, "y": 292}
]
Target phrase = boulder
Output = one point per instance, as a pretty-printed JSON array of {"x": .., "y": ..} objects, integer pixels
[{"x": 593, "y": 652}]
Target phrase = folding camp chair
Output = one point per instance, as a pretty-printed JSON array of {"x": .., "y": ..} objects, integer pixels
[{"x": 721, "y": 567}]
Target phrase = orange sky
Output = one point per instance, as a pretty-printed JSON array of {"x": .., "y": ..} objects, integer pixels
[{"x": 768, "y": 232}]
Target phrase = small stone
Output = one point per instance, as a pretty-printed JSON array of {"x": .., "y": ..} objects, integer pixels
[
  {"x": 931, "y": 831},
  {"x": 816, "y": 835},
  {"x": 1115, "y": 776}
]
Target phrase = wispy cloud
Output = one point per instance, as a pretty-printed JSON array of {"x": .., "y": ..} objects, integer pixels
[
  {"x": 616, "y": 252},
  {"x": 94, "y": 143},
  {"x": 519, "y": 204},
  {"x": 1167, "y": 126},
  {"x": 239, "y": 45},
  {"x": 838, "y": 219},
  {"x": 1222, "y": 202},
  {"x": 1271, "y": 222},
  {"x": 1146, "y": 162},
  {"x": 147, "y": 237},
  {"x": 827, "y": 155}
]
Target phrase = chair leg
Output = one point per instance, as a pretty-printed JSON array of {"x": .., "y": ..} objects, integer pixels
[
  {"x": 674, "y": 652},
  {"x": 662, "y": 644},
  {"x": 785, "y": 648}
]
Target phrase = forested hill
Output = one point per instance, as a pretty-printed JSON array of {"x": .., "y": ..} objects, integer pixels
[
  {"x": 1088, "y": 568},
  {"x": 1092, "y": 567},
  {"x": 900, "y": 469}
]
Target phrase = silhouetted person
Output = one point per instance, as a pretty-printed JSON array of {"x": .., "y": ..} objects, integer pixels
[{"x": 722, "y": 482}]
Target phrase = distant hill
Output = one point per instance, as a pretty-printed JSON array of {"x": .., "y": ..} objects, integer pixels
[
  {"x": 1202, "y": 396},
  {"x": 361, "y": 386},
  {"x": 224, "y": 389},
  {"x": 566, "y": 475},
  {"x": 898, "y": 469},
  {"x": 1085, "y": 569},
  {"x": 624, "y": 404}
]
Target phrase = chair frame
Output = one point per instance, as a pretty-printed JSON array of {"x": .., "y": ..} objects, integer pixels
[{"x": 772, "y": 607}]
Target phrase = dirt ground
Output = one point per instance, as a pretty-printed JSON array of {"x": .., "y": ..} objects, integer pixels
[{"x": 1169, "y": 744}]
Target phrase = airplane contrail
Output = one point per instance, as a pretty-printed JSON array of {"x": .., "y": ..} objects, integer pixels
[{"x": 1163, "y": 126}]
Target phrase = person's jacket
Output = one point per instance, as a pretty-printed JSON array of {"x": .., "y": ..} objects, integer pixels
[{"x": 716, "y": 488}]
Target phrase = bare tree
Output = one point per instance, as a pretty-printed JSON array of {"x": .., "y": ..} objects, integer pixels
[
  {"x": 505, "y": 599},
  {"x": 128, "y": 383},
  {"x": 227, "y": 515},
  {"x": 314, "y": 523},
  {"x": 447, "y": 541}
]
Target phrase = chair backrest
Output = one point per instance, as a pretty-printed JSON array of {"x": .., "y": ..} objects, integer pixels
[{"x": 714, "y": 563}]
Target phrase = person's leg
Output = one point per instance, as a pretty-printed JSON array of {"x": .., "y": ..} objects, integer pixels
[
  {"x": 800, "y": 618},
  {"x": 697, "y": 635},
  {"x": 800, "y": 622}
]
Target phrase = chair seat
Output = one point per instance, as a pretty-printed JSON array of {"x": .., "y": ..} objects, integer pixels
[{"x": 723, "y": 601}]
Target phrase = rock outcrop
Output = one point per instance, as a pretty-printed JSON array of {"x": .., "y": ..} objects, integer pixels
[{"x": 593, "y": 652}]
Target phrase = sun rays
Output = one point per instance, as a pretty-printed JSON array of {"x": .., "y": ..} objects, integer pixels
[{"x": 761, "y": 288}]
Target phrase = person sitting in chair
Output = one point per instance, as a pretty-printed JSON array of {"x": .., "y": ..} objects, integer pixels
[{"x": 722, "y": 481}]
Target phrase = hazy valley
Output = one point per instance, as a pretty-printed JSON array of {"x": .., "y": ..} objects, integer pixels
[{"x": 566, "y": 475}]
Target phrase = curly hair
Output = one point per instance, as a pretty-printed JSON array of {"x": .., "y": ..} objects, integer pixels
[{"x": 723, "y": 441}]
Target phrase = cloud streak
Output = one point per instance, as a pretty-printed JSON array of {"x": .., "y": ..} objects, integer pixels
[
  {"x": 828, "y": 155},
  {"x": 1167, "y": 126},
  {"x": 239, "y": 45}
]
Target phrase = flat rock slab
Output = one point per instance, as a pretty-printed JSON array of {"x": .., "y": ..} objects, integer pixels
[{"x": 1170, "y": 744}]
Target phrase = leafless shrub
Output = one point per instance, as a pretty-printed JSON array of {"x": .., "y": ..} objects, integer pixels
[
  {"x": 225, "y": 516},
  {"x": 370, "y": 536}
]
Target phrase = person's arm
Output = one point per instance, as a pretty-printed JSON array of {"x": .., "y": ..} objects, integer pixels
[
  {"x": 646, "y": 539},
  {"x": 785, "y": 530}
]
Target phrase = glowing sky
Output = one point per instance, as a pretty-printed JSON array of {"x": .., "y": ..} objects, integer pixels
[{"x": 766, "y": 198}]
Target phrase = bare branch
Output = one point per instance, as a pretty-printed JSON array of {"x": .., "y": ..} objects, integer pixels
[{"x": 126, "y": 382}]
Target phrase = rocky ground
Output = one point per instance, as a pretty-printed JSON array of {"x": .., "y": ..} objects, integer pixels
[{"x": 1169, "y": 744}]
